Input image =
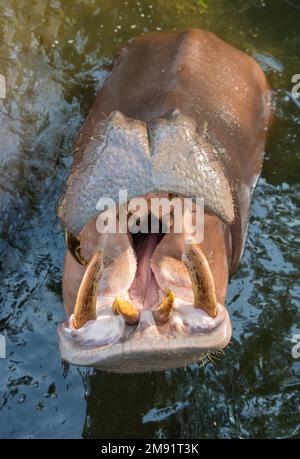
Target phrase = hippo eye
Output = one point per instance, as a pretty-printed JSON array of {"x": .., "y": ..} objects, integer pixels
[{"x": 73, "y": 245}]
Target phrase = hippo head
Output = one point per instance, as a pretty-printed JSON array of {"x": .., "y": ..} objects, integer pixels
[{"x": 142, "y": 301}]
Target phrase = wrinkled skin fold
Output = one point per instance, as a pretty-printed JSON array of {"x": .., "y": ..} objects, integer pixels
[
  {"x": 152, "y": 164},
  {"x": 182, "y": 114}
]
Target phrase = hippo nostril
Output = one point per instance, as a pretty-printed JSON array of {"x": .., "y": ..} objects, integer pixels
[
  {"x": 85, "y": 306},
  {"x": 202, "y": 279},
  {"x": 127, "y": 310},
  {"x": 163, "y": 311}
]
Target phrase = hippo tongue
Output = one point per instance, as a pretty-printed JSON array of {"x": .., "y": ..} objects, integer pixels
[{"x": 144, "y": 289}]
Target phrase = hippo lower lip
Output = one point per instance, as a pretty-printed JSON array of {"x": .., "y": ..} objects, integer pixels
[
  {"x": 145, "y": 327},
  {"x": 152, "y": 353}
]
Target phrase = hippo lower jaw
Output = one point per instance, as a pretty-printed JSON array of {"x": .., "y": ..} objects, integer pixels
[
  {"x": 151, "y": 308},
  {"x": 147, "y": 353}
]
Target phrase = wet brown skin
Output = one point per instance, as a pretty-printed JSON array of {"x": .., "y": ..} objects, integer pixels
[
  {"x": 226, "y": 93},
  {"x": 218, "y": 86}
]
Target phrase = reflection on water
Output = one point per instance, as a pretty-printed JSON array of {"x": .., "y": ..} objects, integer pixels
[{"x": 55, "y": 55}]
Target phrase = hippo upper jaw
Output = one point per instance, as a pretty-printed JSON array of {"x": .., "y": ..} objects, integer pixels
[{"x": 167, "y": 154}]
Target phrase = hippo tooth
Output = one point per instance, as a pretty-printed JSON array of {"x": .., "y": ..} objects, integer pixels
[
  {"x": 127, "y": 310},
  {"x": 202, "y": 279},
  {"x": 162, "y": 312},
  {"x": 85, "y": 306}
]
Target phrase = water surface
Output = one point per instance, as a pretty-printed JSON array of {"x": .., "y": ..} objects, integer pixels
[{"x": 55, "y": 56}]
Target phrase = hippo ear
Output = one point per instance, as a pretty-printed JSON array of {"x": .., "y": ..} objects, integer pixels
[
  {"x": 115, "y": 158},
  {"x": 184, "y": 161}
]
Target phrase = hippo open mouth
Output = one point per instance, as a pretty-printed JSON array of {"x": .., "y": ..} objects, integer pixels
[{"x": 145, "y": 302}]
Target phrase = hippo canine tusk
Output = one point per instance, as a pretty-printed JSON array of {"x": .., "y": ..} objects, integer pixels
[
  {"x": 202, "y": 279},
  {"x": 85, "y": 306}
]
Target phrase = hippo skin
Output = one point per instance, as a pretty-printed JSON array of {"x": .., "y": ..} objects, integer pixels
[{"x": 181, "y": 114}]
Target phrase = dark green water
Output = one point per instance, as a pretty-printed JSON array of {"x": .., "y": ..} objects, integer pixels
[{"x": 55, "y": 54}]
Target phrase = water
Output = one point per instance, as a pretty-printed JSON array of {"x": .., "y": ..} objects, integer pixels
[{"x": 55, "y": 55}]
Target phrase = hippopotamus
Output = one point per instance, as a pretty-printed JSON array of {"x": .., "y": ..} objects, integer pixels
[{"x": 181, "y": 114}]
